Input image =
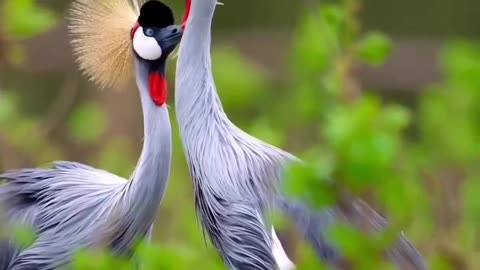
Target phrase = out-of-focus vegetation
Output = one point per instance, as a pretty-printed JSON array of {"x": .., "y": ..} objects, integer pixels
[{"x": 418, "y": 166}]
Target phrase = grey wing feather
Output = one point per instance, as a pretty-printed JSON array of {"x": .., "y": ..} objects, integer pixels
[
  {"x": 236, "y": 230},
  {"x": 360, "y": 214},
  {"x": 64, "y": 204},
  {"x": 8, "y": 251},
  {"x": 313, "y": 225}
]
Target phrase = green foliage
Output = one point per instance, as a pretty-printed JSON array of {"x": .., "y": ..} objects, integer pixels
[
  {"x": 312, "y": 55},
  {"x": 239, "y": 82},
  {"x": 148, "y": 256},
  {"x": 95, "y": 260},
  {"x": 299, "y": 180},
  {"x": 24, "y": 19},
  {"x": 88, "y": 122},
  {"x": 116, "y": 157},
  {"x": 364, "y": 251},
  {"x": 24, "y": 236},
  {"x": 16, "y": 131},
  {"x": 460, "y": 64},
  {"x": 365, "y": 148},
  {"x": 450, "y": 136},
  {"x": 365, "y": 138},
  {"x": 455, "y": 102},
  {"x": 374, "y": 48},
  {"x": 20, "y": 20},
  {"x": 7, "y": 108},
  {"x": 262, "y": 129}
]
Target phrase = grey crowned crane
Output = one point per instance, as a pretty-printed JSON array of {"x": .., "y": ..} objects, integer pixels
[
  {"x": 236, "y": 176},
  {"x": 71, "y": 205}
]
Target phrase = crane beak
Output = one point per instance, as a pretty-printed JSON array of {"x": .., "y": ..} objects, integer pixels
[{"x": 169, "y": 37}]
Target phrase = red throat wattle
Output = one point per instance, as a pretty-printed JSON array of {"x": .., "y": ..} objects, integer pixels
[
  {"x": 188, "y": 4},
  {"x": 158, "y": 88}
]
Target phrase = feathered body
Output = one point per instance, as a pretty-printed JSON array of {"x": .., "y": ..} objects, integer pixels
[
  {"x": 235, "y": 175},
  {"x": 71, "y": 206},
  {"x": 67, "y": 206}
]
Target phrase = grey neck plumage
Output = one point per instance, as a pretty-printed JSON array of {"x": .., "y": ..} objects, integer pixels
[
  {"x": 232, "y": 172},
  {"x": 142, "y": 196},
  {"x": 196, "y": 98}
]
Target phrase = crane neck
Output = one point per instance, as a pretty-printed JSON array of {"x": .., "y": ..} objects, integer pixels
[
  {"x": 208, "y": 134},
  {"x": 196, "y": 98},
  {"x": 144, "y": 192},
  {"x": 151, "y": 174}
]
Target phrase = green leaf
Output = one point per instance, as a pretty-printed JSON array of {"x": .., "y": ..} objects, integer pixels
[
  {"x": 23, "y": 235},
  {"x": 350, "y": 241},
  {"x": 87, "y": 123},
  {"x": 306, "y": 183},
  {"x": 23, "y": 19},
  {"x": 461, "y": 63},
  {"x": 396, "y": 117},
  {"x": 333, "y": 15},
  {"x": 7, "y": 108},
  {"x": 365, "y": 251},
  {"x": 315, "y": 43},
  {"x": 298, "y": 177},
  {"x": 374, "y": 48}
]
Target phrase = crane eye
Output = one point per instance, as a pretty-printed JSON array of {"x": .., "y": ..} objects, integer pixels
[
  {"x": 149, "y": 32},
  {"x": 145, "y": 45}
]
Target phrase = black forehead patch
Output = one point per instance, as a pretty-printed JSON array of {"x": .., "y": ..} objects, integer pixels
[{"x": 155, "y": 14}]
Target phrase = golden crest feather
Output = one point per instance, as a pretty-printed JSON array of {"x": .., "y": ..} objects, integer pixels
[{"x": 101, "y": 41}]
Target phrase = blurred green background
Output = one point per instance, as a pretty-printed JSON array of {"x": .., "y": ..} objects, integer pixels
[{"x": 380, "y": 95}]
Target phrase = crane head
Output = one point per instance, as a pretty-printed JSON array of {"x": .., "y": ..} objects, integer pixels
[
  {"x": 107, "y": 34},
  {"x": 155, "y": 35}
]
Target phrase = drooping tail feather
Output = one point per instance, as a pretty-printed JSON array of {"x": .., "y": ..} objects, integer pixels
[{"x": 313, "y": 226}]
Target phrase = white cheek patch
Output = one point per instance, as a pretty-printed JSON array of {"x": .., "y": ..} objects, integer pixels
[{"x": 146, "y": 47}]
